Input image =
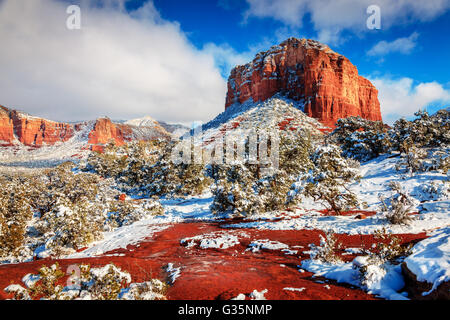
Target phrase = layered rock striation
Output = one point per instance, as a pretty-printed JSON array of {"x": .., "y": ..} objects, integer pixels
[
  {"x": 305, "y": 70},
  {"x": 17, "y": 128}
]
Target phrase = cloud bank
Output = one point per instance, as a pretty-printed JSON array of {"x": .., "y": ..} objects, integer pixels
[
  {"x": 120, "y": 64},
  {"x": 400, "y": 45},
  {"x": 331, "y": 17},
  {"x": 403, "y": 97}
]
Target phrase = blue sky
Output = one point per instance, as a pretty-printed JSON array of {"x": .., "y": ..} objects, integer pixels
[
  {"x": 207, "y": 21},
  {"x": 170, "y": 58}
]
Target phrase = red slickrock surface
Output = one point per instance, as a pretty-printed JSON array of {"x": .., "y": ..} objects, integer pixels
[{"x": 220, "y": 273}]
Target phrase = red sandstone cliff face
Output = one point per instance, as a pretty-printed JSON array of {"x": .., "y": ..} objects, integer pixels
[
  {"x": 31, "y": 131},
  {"x": 306, "y": 70},
  {"x": 6, "y": 128},
  {"x": 18, "y": 128},
  {"x": 104, "y": 131}
]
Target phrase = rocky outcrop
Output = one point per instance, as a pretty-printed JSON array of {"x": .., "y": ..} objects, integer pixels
[
  {"x": 31, "y": 131},
  {"x": 308, "y": 71},
  {"x": 17, "y": 128},
  {"x": 416, "y": 288},
  {"x": 6, "y": 128},
  {"x": 105, "y": 131}
]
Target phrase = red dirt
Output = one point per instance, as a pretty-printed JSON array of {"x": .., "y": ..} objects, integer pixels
[
  {"x": 327, "y": 212},
  {"x": 219, "y": 274}
]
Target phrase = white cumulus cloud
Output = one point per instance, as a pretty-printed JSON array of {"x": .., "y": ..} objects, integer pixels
[
  {"x": 331, "y": 17},
  {"x": 401, "y": 45},
  {"x": 120, "y": 64},
  {"x": 403, "y": 97}
]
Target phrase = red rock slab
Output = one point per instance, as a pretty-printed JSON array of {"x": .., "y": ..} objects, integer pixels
[{"x": 215, "y": 273}]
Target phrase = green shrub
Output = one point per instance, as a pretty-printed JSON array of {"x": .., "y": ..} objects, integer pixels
[{"x": 329, "y": 179}]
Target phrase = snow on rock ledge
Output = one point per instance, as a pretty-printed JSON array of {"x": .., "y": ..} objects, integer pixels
[{"x": 427, "y": 270}]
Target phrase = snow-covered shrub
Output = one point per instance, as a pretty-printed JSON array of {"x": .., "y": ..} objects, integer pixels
[
  {"x": 71, "y": 226},
  {"x": 388, "y": 248},
  {"x": 295, "y": 154},
  {"x": 245, "y": 189},
  {"x": 443, "y": 163},
  {"x": 424, "y": 160},
  {"x": 240, "y": 192},
  {"x": 386, "y": 251},
  {"x": 149, "y": 290},
  {"x": 398, "y": 207},
  {"x": 122, "y": 213},
  {"x": 109, "y": 163},
  {"x": 105, "y": 283},
  {"x": 166, "y": 178},
  {"x": 434, "y": 191},
  {"x": 177, "y": 180},
  {"x": 128, "y": 164},
  {"x": 328, "y": 249},
  {"x": 273, "y": 190},
  {"x": 425, "y": 131},
  {"x": 74, "y": 214},
  {"x": 140, "y": 157},
  {"x": 361, "y": 139},
  {"x": 413, "y": 160},
  {"x": 46, "y": 284},
  {"x": 15, "y": 214},
  {"x": 328, "y": 180},
  {"x": 234, "y": 190}
]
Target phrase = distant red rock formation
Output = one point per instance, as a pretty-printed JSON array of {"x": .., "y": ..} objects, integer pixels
[
  {"x": 19, "y": 128},
  {"x": 31, "y": 131},
  {"x": 306, "y": 70},
  {"x": 105, "y": 131}
]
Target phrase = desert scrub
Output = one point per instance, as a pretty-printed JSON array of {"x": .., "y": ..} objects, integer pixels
[
  {"x": 386, "y": 252},
  {"x": 423, "y": 132},
  {"x": 361, "y": 139},
  {"x": 170, "y": 179},
  {"x": 74, "y": 213},
  {"x": 243, "y": 188},
  {"x": 121, "y": 213},
  {"x": 328, "y": 249},
  {"x": 104, "y": 283},
  {"x": 57, "y": 211},
  {"x": 15, "y": 214},
  {"x": 328, "y": 180},
  {"x": 69, "y": 227},
  {"x": 398, "y": 207},
  {"x": 109, "y": 163}
]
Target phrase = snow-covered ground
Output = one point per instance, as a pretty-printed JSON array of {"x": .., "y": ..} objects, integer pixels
[
  {"x": 176, "y": 211},
  {"x": 377, "y": 174},
  {"x": 214, "y": 240},
  {"x": 22, "y": 158},
  {"x": 384, "y": 281},
  {"x": 430, "y": 260}
]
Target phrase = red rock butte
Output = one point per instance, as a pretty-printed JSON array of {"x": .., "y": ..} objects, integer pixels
[
  {"x": 20, "y": 128},
  {"x": 16, "y": 126},
  {"x": 306, "y": 70}
]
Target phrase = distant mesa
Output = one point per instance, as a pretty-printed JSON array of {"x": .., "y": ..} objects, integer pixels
[
  {"x": 307, "y": 71},
  {"x": 18, "y": 128}
]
